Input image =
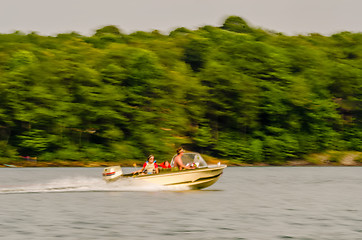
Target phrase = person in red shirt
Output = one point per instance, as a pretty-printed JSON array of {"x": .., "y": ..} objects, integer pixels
[
  {"x": 165, "y": 164},
  {"x": 149, "y": 167}
]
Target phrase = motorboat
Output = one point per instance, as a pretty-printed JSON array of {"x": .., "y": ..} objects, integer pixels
[{"x": 202, "y": 176}]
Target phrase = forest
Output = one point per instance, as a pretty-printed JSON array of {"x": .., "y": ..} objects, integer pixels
[{"x": 231, "y": 91}]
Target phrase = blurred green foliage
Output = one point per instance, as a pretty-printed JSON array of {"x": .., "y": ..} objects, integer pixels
[{"x": 232, "y": 92}]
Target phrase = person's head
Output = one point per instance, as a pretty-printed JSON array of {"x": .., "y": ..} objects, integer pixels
[
  {"x": 150, "y": 158},
  {"x": 180, "y": 150},
  {"x": 166, "y": 163}
]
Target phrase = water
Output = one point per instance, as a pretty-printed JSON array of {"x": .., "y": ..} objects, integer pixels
[{"x": 246, "y": 203}]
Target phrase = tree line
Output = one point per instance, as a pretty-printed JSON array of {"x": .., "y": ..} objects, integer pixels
[{"x": 231, "y": 91}]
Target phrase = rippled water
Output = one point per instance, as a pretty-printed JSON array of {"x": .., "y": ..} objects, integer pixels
[{"x": 246, "y": 203}]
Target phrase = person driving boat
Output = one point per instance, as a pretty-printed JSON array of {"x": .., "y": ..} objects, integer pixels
[{"x": 178, "y": 161}]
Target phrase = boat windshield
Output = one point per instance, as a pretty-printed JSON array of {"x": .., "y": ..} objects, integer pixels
[{"x": 188, "y": 158}]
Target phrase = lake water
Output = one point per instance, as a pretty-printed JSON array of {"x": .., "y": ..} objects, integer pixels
[{"x": 246, "y": 203}]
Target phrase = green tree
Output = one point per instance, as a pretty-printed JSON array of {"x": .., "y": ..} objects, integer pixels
[{"x": 236, "y": 24}]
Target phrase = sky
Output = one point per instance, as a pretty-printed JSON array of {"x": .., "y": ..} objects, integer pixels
[{"x": 291, "y": 17}]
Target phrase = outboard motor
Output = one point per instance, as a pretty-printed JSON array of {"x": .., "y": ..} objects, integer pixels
[{"x": 112, "y": 173}]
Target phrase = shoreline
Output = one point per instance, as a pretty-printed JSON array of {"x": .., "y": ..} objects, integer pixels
[
  {"x": 294, "y": 163},
  {"x": 139, "y": 166},
  {"x": 329, "y": 158},
  {"x": 52, "y": 165}
]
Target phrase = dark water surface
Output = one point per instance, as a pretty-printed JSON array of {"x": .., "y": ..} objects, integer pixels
[{"x": 246, "y": 203}]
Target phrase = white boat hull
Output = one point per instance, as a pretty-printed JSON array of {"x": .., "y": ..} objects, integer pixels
[{"x": 193, "y": 178}]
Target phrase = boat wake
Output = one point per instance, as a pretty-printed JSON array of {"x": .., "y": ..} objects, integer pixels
[{"x": 80, "y": 184}]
